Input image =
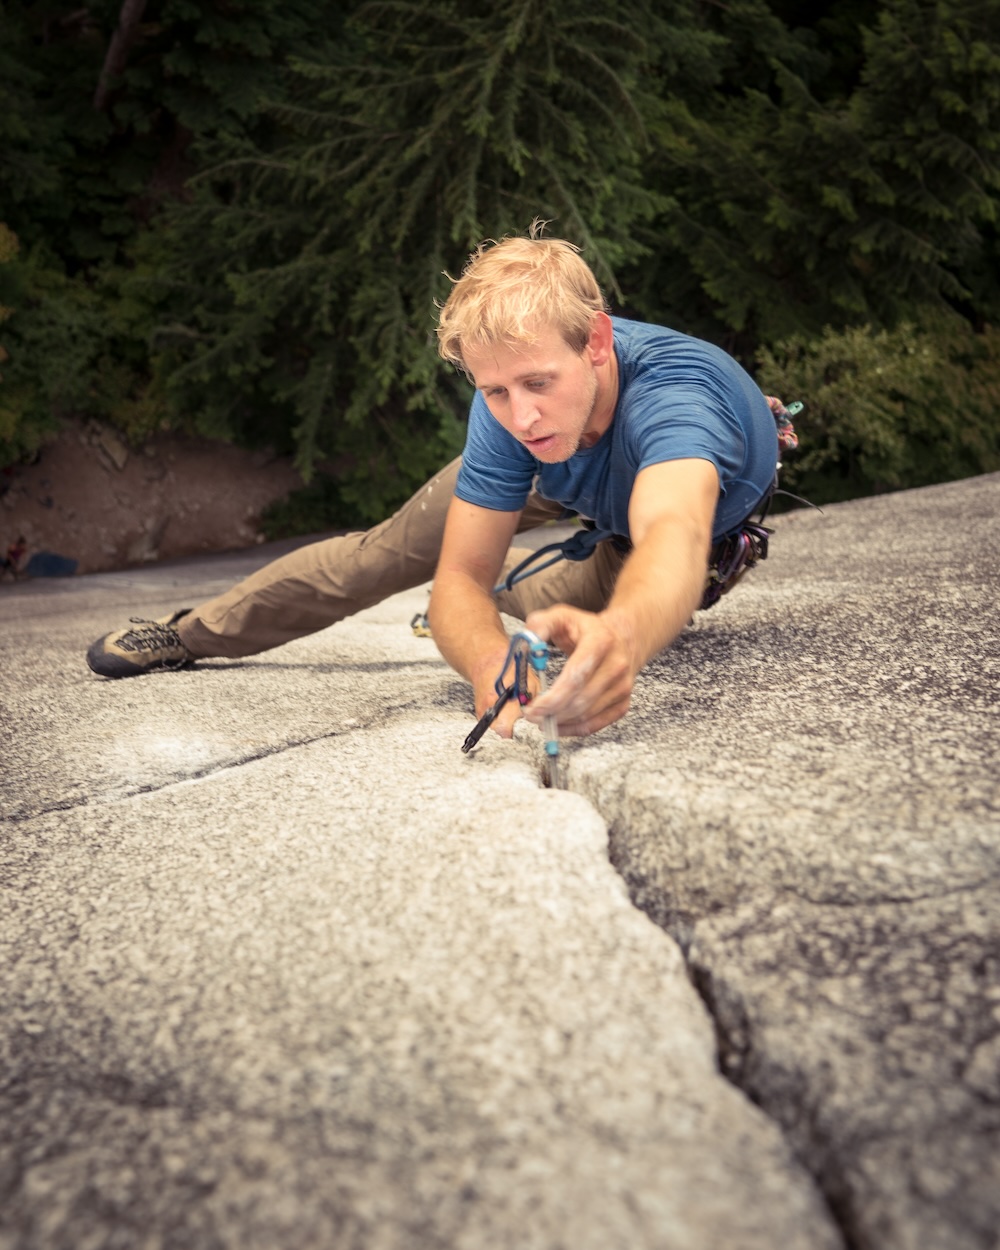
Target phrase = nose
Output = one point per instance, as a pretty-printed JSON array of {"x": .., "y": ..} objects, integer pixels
[{"x": 523, "y": 410}]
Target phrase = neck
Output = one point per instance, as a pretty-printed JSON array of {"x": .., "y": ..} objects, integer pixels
[{"x": 605, "y": 402}]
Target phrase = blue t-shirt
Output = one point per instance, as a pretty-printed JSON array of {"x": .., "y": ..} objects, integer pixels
[{"x": 679, "y": 398}]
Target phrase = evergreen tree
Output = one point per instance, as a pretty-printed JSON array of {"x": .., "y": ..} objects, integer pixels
[
  {"x": 813, "y": 193},
  {"x": 928, "y": 111},
  {"x": 99, "y": 134},
  {"x": 236, "y": 218},
  {"x": 432, "y": 127}
]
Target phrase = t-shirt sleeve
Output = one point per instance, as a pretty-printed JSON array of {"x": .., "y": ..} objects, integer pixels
[{"x": 496, "y": 470}]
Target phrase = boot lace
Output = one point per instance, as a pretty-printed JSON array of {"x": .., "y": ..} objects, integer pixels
[{"x": 152, "y": 636}]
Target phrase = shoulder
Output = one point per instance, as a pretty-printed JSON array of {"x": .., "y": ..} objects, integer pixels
[{"x": 645, "y": 350}]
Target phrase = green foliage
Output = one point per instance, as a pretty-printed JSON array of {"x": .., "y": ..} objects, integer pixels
[
  {"x": 302, "y": 279},
  {"x": 802, "y": 199},
  {"x": 313, "y": 509},
  {"x": 82, "y": 177},
  {"x": 87, "y": 356},
  {"x": 30, "y": 145},
  {"x": 241, "y": 226},
  {"x": 889, "y": 408}
]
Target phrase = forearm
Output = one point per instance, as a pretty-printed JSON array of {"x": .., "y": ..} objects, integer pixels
[
  {"x": 660, "y": 586},
  {"x": 658, "y": 589},
  {"x": 468, "y": 632}
]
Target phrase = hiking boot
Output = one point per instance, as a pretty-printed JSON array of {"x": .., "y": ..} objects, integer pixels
[{"x": 144, "y": 646}]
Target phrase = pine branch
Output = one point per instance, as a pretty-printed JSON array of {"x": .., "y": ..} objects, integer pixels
[{"x": 126, "y": 33}]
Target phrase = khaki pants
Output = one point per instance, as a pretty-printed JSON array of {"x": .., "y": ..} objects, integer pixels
[{"x": 323, "y": 582}]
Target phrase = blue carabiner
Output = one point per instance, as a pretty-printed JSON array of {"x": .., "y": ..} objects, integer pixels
[{"x": 525, "y": 647}]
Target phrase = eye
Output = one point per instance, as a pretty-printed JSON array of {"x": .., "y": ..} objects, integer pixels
[{"x": 494, "y": 392}]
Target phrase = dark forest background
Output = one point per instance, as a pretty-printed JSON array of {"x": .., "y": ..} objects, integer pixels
[{"x": 233, "y": 218}]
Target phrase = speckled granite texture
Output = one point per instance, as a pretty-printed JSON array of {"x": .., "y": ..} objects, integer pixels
[{"x": 280, "y": 967}]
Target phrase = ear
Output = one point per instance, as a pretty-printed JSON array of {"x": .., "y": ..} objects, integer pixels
[{"x": 601, "y": 343}]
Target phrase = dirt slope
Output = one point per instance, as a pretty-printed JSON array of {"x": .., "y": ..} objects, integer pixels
[{"x": 91, "y": 498}]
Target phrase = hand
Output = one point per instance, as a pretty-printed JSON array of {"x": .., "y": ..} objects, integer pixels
[
  {"x": 486, "y": 695},
  {"x": 594, "y": 688},
  {"x": 509, "y": 713}
]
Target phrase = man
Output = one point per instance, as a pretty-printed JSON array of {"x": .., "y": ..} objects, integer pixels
[{"x": 658, "y": 439}]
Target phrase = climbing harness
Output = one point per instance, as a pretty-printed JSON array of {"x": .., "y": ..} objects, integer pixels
[
  {"x": 526, "y": 651},
  {"x": 737, "y": 552},
  {"x": 578, "y": 547},
  {"x": 731, "y": 557}
]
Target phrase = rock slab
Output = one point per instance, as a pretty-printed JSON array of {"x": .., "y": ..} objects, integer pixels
[
  {"x": 807, "y": 796},
  {"x": 280, "y": 966}
]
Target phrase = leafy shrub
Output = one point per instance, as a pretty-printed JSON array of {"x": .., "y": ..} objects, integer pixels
[{"x": 887, "y": 409}]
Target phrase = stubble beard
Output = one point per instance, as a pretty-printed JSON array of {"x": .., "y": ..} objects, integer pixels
[{"x": 582, "y": 439}]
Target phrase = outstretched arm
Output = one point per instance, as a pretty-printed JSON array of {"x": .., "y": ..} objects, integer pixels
[
  {"x": 671, "y": 511},
  {"x": 464, "y": 619}
]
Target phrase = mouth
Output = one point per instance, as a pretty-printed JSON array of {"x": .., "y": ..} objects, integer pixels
[{"x": 537, "y": 445}]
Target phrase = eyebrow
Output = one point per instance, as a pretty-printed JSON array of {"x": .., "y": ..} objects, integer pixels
[{"x": 520, "y": 377}]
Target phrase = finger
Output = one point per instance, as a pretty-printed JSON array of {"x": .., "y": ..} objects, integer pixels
[
  {"x": 585, "y": 690},
  {"x": 593, "y": 676},
  {"x": 504, "y": 723},
  {"x": 559, "y": 625},
  {"x": 565, "y": 690},
  {"x": 587, "y": 715},
  {"x": 590, "y": 710}
]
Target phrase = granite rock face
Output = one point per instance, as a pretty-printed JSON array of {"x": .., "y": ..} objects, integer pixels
[
  {"x": 287, "y": 1006},
  {"x": 807, "y": 798},
  {"x": 279, "y": 966}
]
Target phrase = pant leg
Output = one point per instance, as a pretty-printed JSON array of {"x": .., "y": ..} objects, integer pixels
[{"x": 324, "y": 582}]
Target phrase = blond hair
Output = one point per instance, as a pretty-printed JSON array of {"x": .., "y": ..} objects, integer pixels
[{"x": 512, "y": 290}]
